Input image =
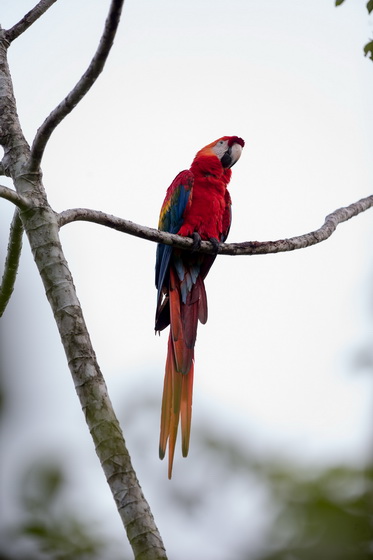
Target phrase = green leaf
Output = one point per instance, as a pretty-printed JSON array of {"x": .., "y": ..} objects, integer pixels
[
  {"x": 370, "y": 6},
  {"x": 369, "y": 49},
  {"x": 339, "y": 2}
]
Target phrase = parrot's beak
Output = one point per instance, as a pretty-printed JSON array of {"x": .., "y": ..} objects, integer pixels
[{"x": 231, "y": 156}]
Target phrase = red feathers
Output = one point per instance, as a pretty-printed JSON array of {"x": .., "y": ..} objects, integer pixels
[
  {"x": 178, "y": 382},
  {"x": 236, "y": 140},
  {"x": 210, "y": 207},
  {"x": 196, "y": 202}
]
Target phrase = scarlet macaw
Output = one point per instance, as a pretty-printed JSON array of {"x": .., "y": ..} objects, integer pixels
[{"x": 198, "y": 205}]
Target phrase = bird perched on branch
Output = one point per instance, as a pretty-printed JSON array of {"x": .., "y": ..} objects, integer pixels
[{"x": 197, "y": 205}]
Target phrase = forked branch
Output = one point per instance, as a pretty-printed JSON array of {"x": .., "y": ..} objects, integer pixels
[
  {"x": 82, "y": 87},
  {"x": 246, "y": 248},
  {"x": 40, "y": 224},
  {"x": 28, "y": 19}
]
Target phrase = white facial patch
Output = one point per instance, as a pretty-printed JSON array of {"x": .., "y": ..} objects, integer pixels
[{"x": 220, "y": 148}]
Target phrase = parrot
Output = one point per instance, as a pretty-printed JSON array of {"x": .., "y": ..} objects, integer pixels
[{"x": 197, "y": 205}]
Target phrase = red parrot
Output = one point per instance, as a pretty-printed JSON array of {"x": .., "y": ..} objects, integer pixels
[{"x": 197, "y": 205}]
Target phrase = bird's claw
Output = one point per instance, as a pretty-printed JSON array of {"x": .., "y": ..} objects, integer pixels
[
  {"x": 196, "y": 241},
  {"x": 215, "y": 243}
]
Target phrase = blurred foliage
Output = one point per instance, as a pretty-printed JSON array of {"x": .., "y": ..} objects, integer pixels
[
  {"x": 46, "y": 530},
  {"x": 312, "y": 513},
  {"x": 324, "y": 516},
  {"x": 317, "y": 513},
  {"x": 368, "y": 48}
]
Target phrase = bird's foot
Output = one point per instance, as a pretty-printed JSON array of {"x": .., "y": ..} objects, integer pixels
[
  {"x": 196, "y": 241},
  {"x": 215, "y": 243}
]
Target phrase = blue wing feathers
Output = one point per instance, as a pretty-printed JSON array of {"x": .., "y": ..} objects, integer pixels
[
  {"x": 171, "y": 218},
  {"x": 177, "y": 198}
]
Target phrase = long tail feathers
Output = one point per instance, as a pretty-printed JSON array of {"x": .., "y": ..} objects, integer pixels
[
  {"x": 176, "y": 403},
  {"x": 186, "y": 409},
  {"x": 166, "y": 401},
  {"x": 179, "y": 371}
]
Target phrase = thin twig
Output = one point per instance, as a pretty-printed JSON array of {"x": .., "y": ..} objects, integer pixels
[
  {"x": 12, "y": 261},
  {"x": 82, "y": 87},
  {"x": 245, "y": 248},
  {"x": 13, "y": 196},
  {"x": 28, "y": 19}
]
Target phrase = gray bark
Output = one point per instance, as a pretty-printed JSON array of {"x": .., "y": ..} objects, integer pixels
[{"x": 42, "y": 229}]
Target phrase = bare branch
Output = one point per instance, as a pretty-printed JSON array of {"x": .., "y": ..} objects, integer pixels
[
  {"x": 82, "y": 87},
  {"x": 245, "y": 248},
  {"x": 11, "y": 262},
  {"x": 12, "y": 196},
  {"x": 2, "y": 170},
  {"x": 28, "y": 19},
  {"x": 301, "y": 241},
  {"x": 40, "y": 223},
  {"x": 125, "y": 226},
  {"x": 16, "y": 148},
  {"x": 42, "y": 230}
]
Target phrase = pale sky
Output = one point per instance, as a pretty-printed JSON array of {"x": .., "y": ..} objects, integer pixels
[{"x": 275, "y": 362}]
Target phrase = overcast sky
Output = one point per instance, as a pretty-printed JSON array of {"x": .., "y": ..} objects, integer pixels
[{"x": 276, "y": 361}]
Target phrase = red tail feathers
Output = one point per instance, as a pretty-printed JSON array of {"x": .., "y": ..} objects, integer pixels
[
  {"x": 176, "y": 403},
  {"x": 178, "y": 381}
]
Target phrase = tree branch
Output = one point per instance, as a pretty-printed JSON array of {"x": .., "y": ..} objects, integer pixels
[
  {"x": 12, "y": 261},
  {"x": 40, "y": 224},
  {"x": 82, "y": 87},
  {"x": 13, "y": 196},
  {"x": 28, "y": 19},
  {"x": 245, "y": 248}
]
